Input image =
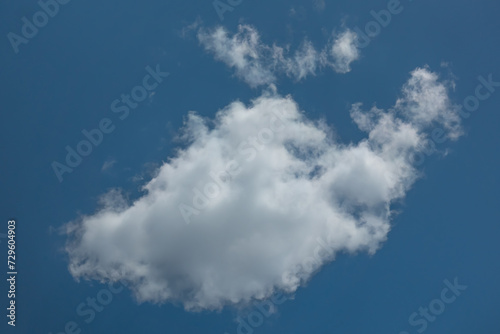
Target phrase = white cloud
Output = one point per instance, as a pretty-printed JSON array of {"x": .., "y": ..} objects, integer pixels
[
  {"x": 258, "y": 64},
  {"x": 424, "y": 103},
  {"x": 319, "y": 5},
  {"x": 342, "y": 52},
  {"x": 108, "y": 164},
  {"x": 288, "y": 185}
]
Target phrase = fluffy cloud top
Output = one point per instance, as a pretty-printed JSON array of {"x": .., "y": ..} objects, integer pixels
[
  {"x": 264, "y": 190},
  {"x": 258, "y": 64}
]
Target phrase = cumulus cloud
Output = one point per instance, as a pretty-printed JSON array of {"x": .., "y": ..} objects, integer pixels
[
  {"x": 264, "y": 189},
  {"x": 258, "y": 64}
]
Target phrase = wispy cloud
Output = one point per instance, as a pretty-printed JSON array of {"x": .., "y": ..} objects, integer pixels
[
  {"x": 319, "y": 5},
  {"x": 342, "y": 52},
  {"x": 258, "y": 64},
  {"x": 108, "y": 164}
]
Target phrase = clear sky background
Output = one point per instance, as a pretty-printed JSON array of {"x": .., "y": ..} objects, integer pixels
[{"x": 65, "y": 78}]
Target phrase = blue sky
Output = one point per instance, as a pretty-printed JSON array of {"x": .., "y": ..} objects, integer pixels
[{"x": 442, "y": 227}]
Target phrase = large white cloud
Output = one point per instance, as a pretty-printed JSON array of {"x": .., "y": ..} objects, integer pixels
[
  {"x": 260, "y": 190},
  {"x": 258, "y": 64}
]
